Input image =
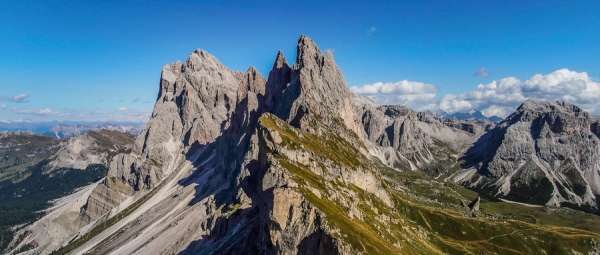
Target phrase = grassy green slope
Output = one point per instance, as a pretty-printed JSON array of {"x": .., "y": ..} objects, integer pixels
[
  {"x": 21, "y": 151},
  {"x": 426, "y": 216}
]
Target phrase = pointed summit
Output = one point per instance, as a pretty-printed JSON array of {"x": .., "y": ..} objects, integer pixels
[
  {"x": 253, "y": 74},
  {"x": 251, "y": 69},
  {"x": 280, "y": 61},
  {"x": 313, "y": 88},
  {"x": 308, "y": 53},
  {"x": 202, "y": 59},
  {"x": 305, "y": 42},
  {"x": 202, "y": 54},
  {"x": 532, "y": 109},
  {"x": 253, "y": 81},
  {"x": 279, "y": 77}
]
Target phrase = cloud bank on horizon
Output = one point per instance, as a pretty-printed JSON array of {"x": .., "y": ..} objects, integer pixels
[
  {"x": 19, "y": 108},
  {"x": 33, "y": 114},
  {"x": 497, "y": 98}
]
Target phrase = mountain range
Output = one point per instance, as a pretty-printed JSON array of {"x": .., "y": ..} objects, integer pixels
[
  {"x": 66, "y": 129},
  {"x": 35, "y": 170},
  {"x": 294, "y": 163},
  {"x": 472, "y": 115}
]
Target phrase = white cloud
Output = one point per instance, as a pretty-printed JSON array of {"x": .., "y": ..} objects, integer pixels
[
  {"x": 41, "y": 112},
  {"x": 20, "y": 98},
  {"x": 502, "y": 96},
  {"x": 123, "y": 114},
  {"x": 482, "y": 72},
  {"x": 497, "y": 111},
  {"x": 418, "y": 95},
  {"x": 452, "y": 103},
  {"x": 47, "y": 113},
  {"x": 497, "y": 98}
]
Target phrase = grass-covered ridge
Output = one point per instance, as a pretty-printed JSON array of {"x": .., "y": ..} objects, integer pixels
[
  {"x": 328, "y": 145},
  {"x": 426, "y": 216}
]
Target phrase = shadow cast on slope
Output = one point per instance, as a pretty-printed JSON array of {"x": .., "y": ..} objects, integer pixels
[
  {"x": 217, "y": 172},
  {"x": 482, "y": 152}
]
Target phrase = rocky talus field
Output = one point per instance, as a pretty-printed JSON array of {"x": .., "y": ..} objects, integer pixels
[{"x": 294, "y": 163}]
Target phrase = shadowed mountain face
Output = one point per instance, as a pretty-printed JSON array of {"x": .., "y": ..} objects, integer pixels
[{"x": 231, "y": 163}]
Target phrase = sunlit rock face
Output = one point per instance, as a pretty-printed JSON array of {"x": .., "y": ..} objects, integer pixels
[{"x": 544, "y": 153}]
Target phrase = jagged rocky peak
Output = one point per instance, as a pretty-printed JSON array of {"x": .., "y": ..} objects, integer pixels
[
  {"x": 309, "y": 55},
  {"x": 195, "y": 106},
  {"x": 543, "y": 153},
  {"x": 314, "y": 87},
  {"x": 279, "y": 79},
  {"x": 395, "y": 110},
  {"x": 200, "y": 87},
  {"x": 280, "y": 61},
  {"x": 251, "y": 81},
  {"x": 321, "y": 80},
  {"x": 411, "y": 140},
  {"x": 203, "y": 94},
  {"x": 558, "y": 111}
]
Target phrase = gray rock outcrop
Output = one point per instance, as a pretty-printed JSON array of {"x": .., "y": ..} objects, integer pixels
[
  {"x": 92, "y": 147},
  {"x": 473, "y": 207},
  {"x": 544, "y": 153},
  {"x": 411, "y": 140},
  {"x": 207, "y": 115}
]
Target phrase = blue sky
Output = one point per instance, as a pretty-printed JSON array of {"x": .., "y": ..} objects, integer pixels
[{"x": 88, "y": 60}]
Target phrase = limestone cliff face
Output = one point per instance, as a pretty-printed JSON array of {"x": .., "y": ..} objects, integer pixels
[
  {"x": 195, "y": 105},
  {"x": 411, "y": 140},
  {"x": 312, "y": 89},
  {"x": 545, "y": 152},
  {"x": 208, "y": 113}
]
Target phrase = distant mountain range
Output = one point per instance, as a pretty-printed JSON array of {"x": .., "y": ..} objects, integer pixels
[
  {"x": 37, "y": 169},
  {"x": 472, "y": 115},
  {"x": 65, "y": 129}
]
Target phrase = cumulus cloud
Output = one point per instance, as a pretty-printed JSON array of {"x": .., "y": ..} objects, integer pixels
[
  {"x": 20, "y": 98},
  {"x": 123, "y": 109},
  {"x": 497, "y": 98},
  {"x": 418, "y": 95},
  {"x": 501, "y": 97},
  {"x": 482, "y": 72}
]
